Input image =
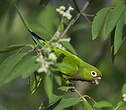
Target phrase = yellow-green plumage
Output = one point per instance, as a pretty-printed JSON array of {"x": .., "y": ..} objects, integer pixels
[
  {"x": 70, "y": 65},
  {"x": 75, "y": 67}
]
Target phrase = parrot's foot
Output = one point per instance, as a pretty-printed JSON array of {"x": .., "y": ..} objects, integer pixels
[
  {"x": 72, "y": 90},
  {"x": 72, "y": 86}
]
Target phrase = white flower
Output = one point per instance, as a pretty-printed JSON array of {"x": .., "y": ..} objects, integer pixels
[
  {"x": 41, "y": 69},
  {"x": 39, "y": 59},
  {"x": 67, "y": 15},
  {"x": 124, "y": 97},
  {"x": 70, "y": 8},
  {"x": 58, "y": 45},
  {"x": 61, "y": 10},
  {"x": 62, "y": 7},
  {"x": 57, "y": 34},
  {"x": 44, "y": 67},
  {"x": 52, "y": 56},
  {"x": 44, "y": 64}
]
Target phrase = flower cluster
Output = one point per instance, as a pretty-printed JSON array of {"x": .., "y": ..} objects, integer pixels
[
  {"x": 124, "y": 97},
  {"x": 52, "y": 57},
  {"x": 57, "y": 34},
  {"x": 58, "y": 45},
  {"x": 65, "y": 13},
  {"x": 46, "y": 62}
]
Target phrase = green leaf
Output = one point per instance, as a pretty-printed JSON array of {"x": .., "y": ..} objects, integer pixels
[
  {"x": 44, "y": 19},
  {"x": 124, "y": 89},
  {"x": 119, "y": 37},
  {"x": 64, "y": 88},
  {"x": 98, "y": 22},
  {"x": 54, "y": 102},
  {"x": 112, "y": 19},
  {"x": 64, "y": 103},
  {"x": 86, "y": 105},
  {"x": 48, "y": 86},
  {"x": 103, "y": 104},
  {"x": 123, "y": 107},
  {"x": 119, "y": 104},
  {"x": 125, "y": 17},
  {"x": 40, "y": 30},
  {"x": 8, "y": 65},
  {"x": 34, "y": 81},
  {"x": 25, "y": 67},
  {"x": 58, "y": 80},
  {"x": 10, "y": 18},
  {"x": 12, "y": 48},
  {"x": 23, "y": 19}
]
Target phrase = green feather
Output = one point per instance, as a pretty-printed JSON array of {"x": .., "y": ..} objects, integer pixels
[{"x": 76, "y": 68}]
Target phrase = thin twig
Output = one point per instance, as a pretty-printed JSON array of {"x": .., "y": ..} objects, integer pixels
[
  {"x": 90, "y": 98},
  {"x": 79, "y": 94},
  {"x": 81, "y": 12},
  {"x": 85, "y": 16},
  {"x": 74, "y": 19}
]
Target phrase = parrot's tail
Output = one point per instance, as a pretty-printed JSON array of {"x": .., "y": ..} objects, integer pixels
[
  {"x": 37, "y": 39},
  {"x": 36, "y": 36}
]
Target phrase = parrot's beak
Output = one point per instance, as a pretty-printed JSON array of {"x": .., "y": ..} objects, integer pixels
[{"x": 96, "y": 80}]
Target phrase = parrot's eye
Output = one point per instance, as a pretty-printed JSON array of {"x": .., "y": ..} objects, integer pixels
[{"x": 93, "y": 73}]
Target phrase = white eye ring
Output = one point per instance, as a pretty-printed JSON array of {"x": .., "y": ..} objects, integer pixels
[{"x": 93, "y": 73}]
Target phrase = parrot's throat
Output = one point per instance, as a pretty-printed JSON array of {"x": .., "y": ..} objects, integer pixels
[{"x": 95, "y": 81}]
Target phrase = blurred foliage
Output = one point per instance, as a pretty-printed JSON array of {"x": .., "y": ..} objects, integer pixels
[{"x": 43, "y": 19}]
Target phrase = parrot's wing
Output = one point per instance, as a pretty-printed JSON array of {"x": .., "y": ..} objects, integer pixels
[
  {"x": 66, "y": 68},
  {"x": 66, "y": 63}
]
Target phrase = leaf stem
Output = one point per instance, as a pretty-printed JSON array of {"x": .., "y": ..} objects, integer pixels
[
  {"x": 90, "y": 98},
  {"x": 82, "y": 97}
]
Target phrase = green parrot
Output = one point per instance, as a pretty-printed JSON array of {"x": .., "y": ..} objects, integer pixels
[{"x": 70, "y": 65}]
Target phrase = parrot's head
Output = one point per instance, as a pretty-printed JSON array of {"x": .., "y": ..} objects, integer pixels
[{"x": 91, "y": 74}]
